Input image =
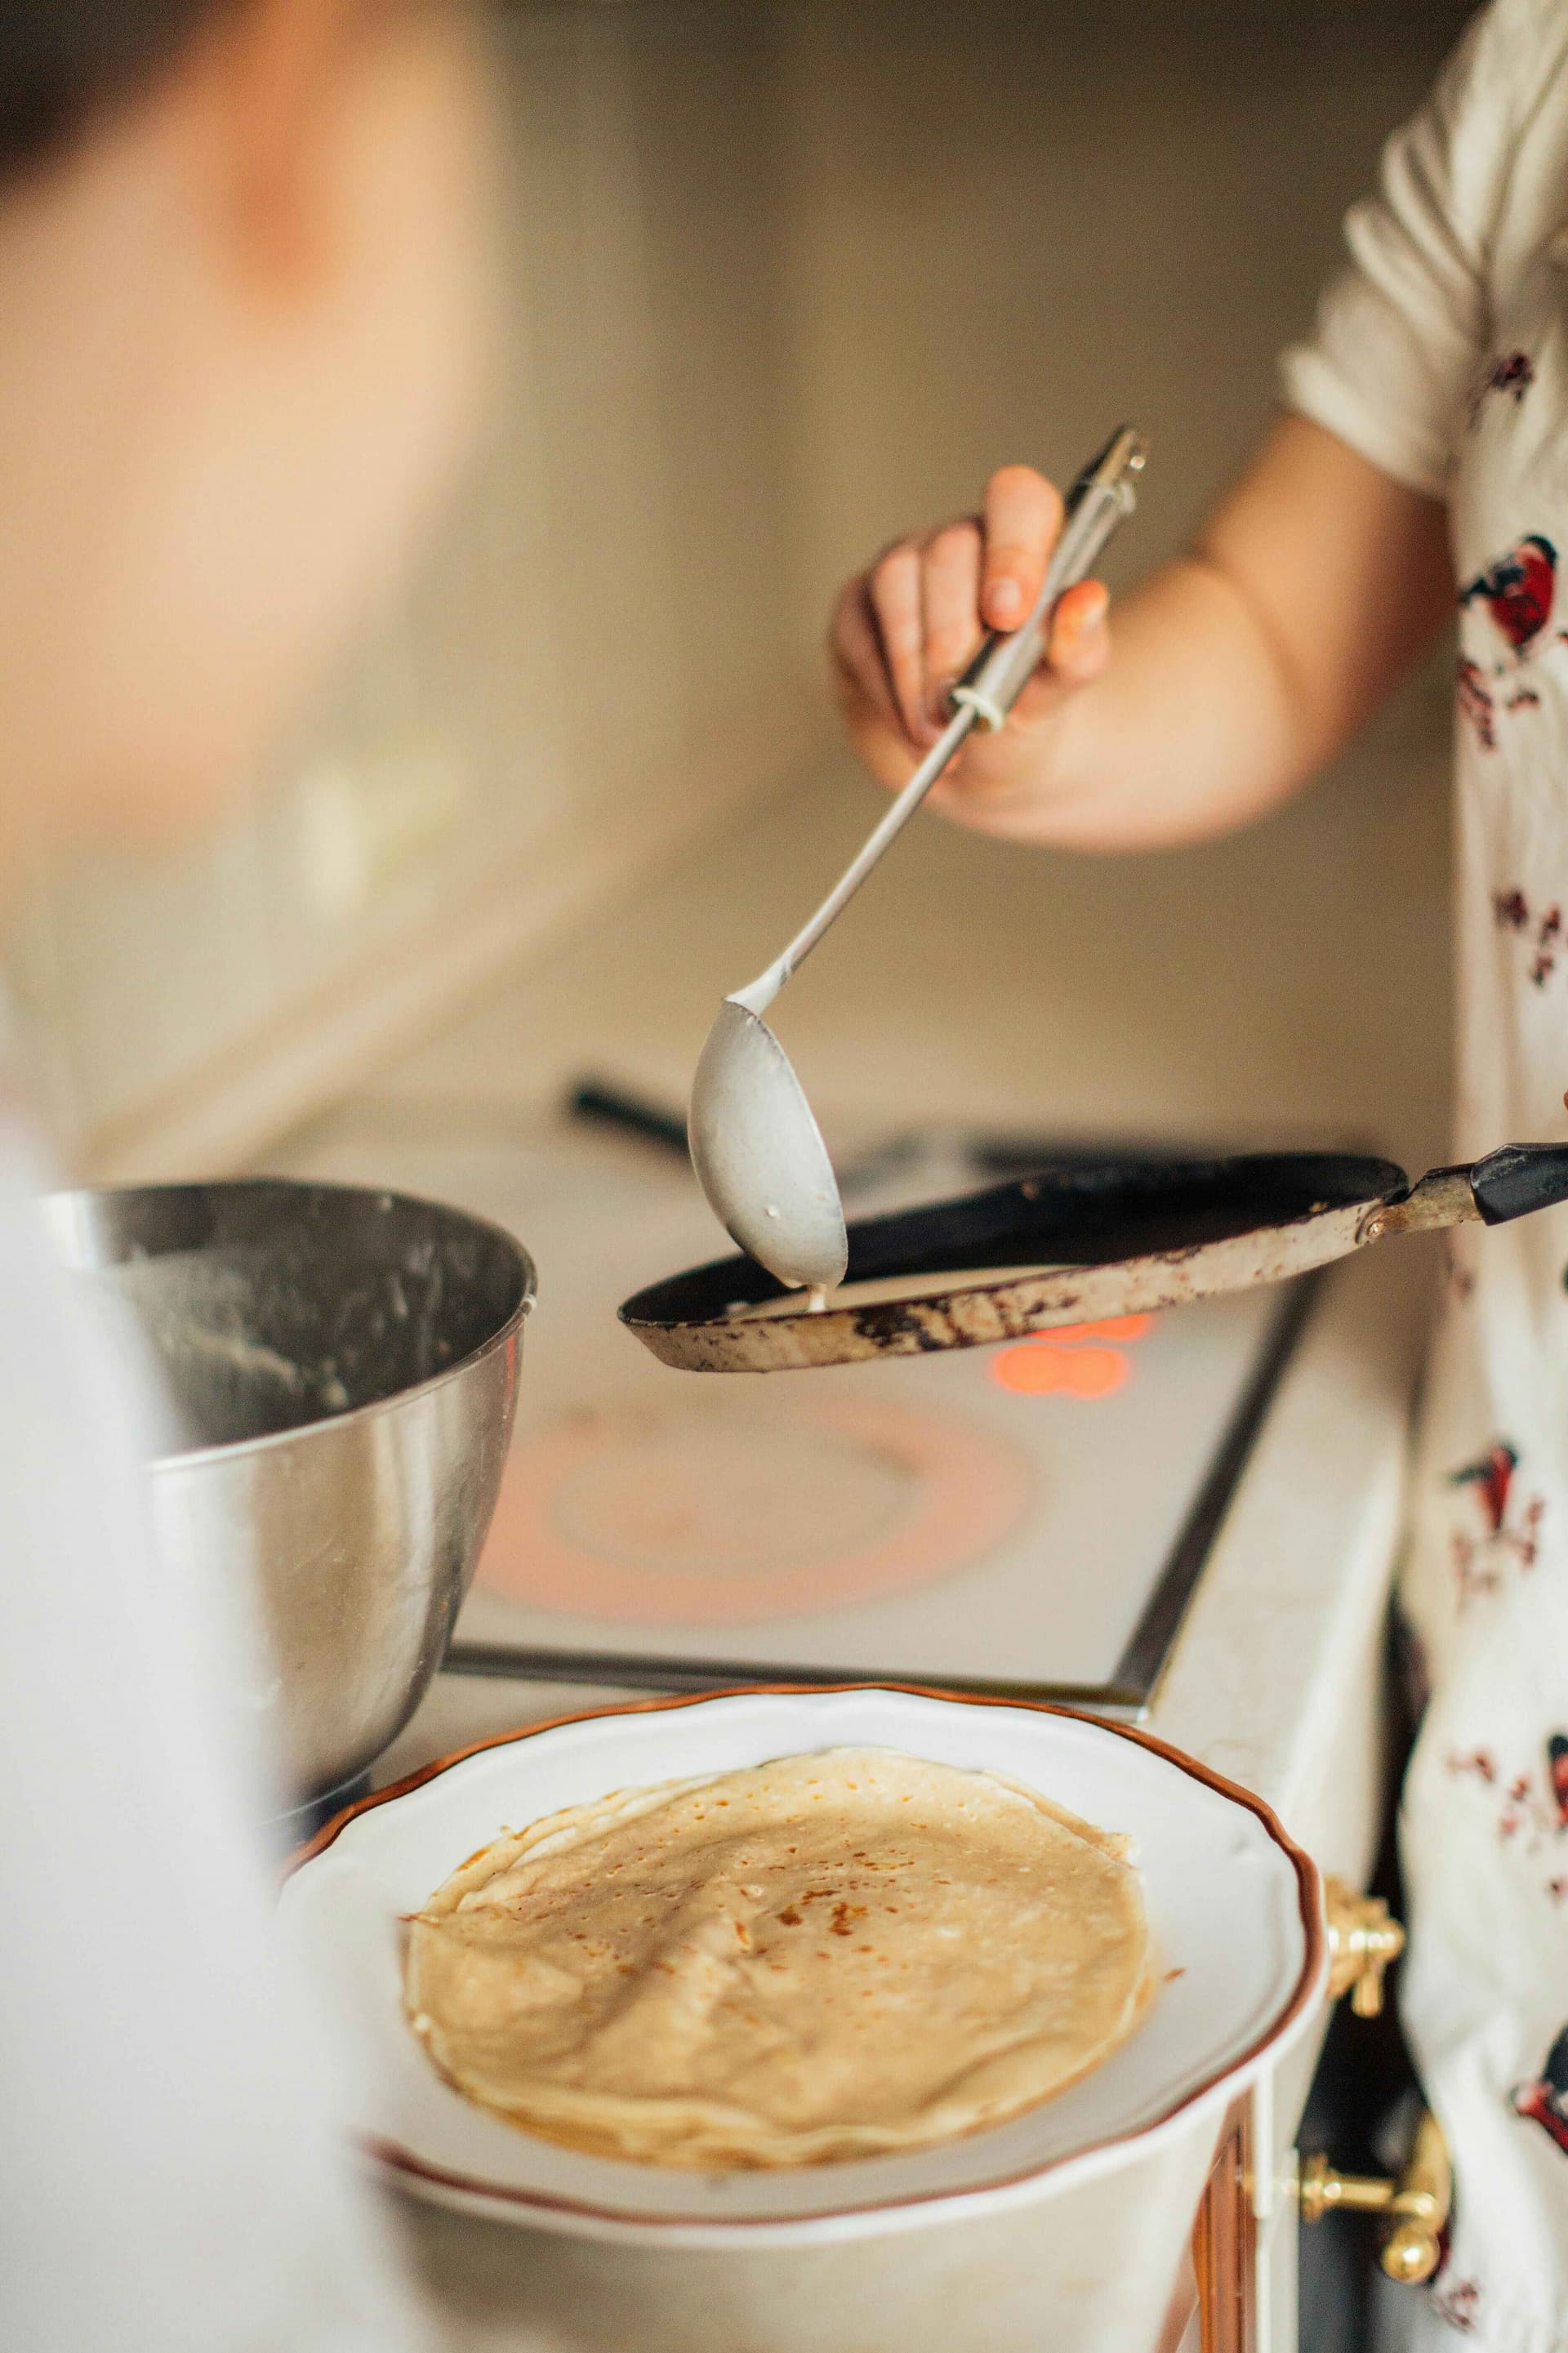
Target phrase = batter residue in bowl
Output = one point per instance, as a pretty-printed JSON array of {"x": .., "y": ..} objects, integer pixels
[{"x": 825, "y": 1957}]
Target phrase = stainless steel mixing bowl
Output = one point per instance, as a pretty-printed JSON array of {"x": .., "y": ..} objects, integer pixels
[{"x": 340, "y": 1377}]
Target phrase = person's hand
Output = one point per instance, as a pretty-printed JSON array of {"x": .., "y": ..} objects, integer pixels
[{"x": 905, "y": 630}]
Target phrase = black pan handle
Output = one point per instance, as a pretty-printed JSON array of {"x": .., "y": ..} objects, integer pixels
[{"x": 1517, "y": 1178}]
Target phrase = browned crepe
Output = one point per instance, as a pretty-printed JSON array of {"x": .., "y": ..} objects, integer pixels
[{"x": 822, "y": 1957}]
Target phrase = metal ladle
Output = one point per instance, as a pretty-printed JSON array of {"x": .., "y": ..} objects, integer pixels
[{"x": 757, "y": 1149}]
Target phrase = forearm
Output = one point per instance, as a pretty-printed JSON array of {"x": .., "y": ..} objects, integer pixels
[{"x": 1193, "y": 730}]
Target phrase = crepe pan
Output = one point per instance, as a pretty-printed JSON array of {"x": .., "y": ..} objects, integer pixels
[{"x": 1075, "y": 1243}]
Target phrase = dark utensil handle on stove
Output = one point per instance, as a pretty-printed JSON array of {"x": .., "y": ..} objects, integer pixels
[
  {"x": 613, "y": 1107},
  {"x": 1519, "y": 1178}
]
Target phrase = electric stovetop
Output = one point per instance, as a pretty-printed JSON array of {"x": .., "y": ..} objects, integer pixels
[{"x": 1029, "y": 1520}]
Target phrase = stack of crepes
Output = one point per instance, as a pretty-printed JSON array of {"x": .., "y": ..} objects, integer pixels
[{"x": 825, "y": 1956}]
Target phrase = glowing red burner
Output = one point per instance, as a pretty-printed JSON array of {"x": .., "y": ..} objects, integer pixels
[
  {"x": 1032, "y": 1371},
  {"x": 1064, "y": 1363}
]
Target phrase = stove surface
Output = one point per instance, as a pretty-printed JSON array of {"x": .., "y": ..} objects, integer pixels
[{"x": 1028, "y": 1518}]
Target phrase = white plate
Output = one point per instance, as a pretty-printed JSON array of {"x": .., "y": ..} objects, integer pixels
[{"x": 1235, "y": 1910}]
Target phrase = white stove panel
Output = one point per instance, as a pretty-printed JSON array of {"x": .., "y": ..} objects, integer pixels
[
  {"x": 930, "y": 1518},
  {"x": 999, "y": 1513}
]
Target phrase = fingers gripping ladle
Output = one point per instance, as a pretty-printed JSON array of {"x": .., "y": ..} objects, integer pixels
[{"x": 756, "y": 1147}]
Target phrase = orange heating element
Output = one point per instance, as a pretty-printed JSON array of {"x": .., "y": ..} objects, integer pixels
[{"x": 1078, "y": 1360}]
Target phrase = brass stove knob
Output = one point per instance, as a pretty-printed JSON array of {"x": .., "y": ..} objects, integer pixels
[
  {"x": 1417, "y": 2202},
  {"x": 1362, "y": 1941}
]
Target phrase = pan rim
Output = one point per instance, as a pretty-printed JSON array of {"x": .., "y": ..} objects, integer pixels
[
  {"x": 756, "y": 1287},
  {"x": 971, "y": 1308}
]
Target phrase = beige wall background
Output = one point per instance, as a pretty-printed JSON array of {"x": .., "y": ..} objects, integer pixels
[{"x": 786, "y": 279}]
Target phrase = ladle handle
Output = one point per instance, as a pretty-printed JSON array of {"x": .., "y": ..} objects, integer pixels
[
  {"x": 1097, "y": 502},
  {"x": 759, "y": 994}
]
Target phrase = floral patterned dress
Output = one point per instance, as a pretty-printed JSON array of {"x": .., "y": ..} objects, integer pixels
[{"x": 1441, "y": 354}]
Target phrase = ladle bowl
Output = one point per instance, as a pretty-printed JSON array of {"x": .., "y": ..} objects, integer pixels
[{"x": 760, "y": 1156}]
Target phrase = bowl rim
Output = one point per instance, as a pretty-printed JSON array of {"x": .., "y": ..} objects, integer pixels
[
  {"x": 182, "y": 1457},
  {"x": 549, "y": 2207}
]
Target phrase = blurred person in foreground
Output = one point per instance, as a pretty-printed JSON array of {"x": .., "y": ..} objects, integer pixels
[
  {"x": 1422, "y": 460},
  {"x": 242, "y": 329}
]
